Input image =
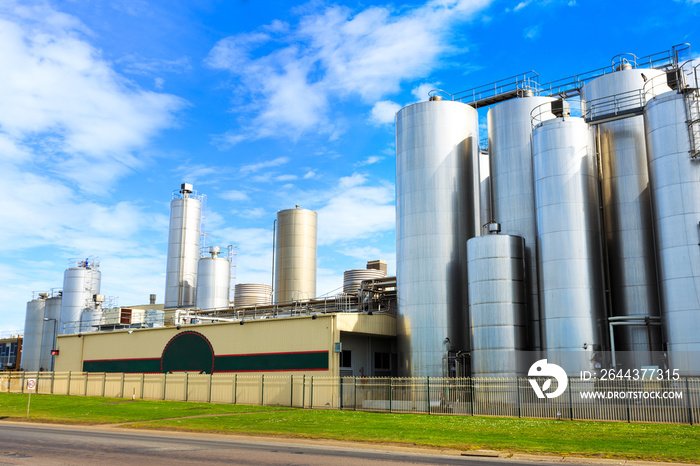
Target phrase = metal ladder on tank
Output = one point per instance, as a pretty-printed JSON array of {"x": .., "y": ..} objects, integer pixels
[{"x": 692, "y": 112}]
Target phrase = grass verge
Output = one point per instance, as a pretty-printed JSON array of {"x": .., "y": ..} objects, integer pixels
[{"x": 592, "y": 439}]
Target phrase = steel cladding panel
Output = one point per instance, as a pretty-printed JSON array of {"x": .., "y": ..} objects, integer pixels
[
  {"x": 484, "y": 191},
  {"x": 183, "y": 252},
  {"x": 213, "y": 283},
  {"x": 674, "y": 180},
  {"x": 497, "y": 304},
  {"x": 570, "y": 277},
  {"x": 627, "y": 214},
  {"x": 438, "y": 210},
  {"x": 513, "y": 187},
  {"x": 33, "y": 331},
  {"x": 295, "y": 258}
]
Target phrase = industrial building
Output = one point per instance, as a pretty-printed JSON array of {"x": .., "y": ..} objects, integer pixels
[{"x": 572, "y": 235}]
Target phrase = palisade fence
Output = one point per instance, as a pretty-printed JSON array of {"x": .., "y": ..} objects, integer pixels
[{"x": 664, "y": 401}]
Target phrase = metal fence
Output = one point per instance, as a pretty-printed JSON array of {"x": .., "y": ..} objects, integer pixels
[{"x": 657, "y": 401}]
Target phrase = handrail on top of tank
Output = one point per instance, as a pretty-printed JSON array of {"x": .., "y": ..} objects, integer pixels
[
  {"x": 617, "y": 104},
  {"x": 528, "y": 80},
  {"x": 545, "y": 112}
]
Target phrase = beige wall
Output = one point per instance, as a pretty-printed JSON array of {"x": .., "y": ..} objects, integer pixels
[{"x": 261, "y": 336}]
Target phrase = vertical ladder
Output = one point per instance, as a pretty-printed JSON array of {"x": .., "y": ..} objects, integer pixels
[{"x": 692, "y": 111}]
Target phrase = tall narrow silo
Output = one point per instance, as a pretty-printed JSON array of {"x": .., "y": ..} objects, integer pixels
[
  {"x": 497, "y": 305},
  {"x": 81, "y": 282},
  {"x": 52, "y": 319},
  {"x": 513, "y": 187},
  {"x": 213, "y": 281},
  {"x": 295, "y": 255},
  {"x": 674, "y": 180},
  {"x": 33, "y": 331},
  {"x": 183, "y": 248},
  {"x": 627, "y": 210},
  {"x": 571, "y": 286},
  {"x": 437, "y": 211}
]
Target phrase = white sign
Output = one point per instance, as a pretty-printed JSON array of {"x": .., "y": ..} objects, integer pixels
[{"x": 31, "y": 384}]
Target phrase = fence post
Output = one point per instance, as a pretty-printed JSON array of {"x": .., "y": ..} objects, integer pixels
[
  {"x": 471, "y": 389},
  {"x": 391, "y": 393},
  {"x": 291, "y": 391},
  {"x": 355, "y": 390},
  {"x": 627, "y": 388},
  {"x": 303, "y": 391},
  {"x": 104, "y": 383},
  {"x": 262, "y": 389},
  {"x": 428, "y": 394},
  {"x": 235, "y": 388},
  {"x": 165, "y": 382},
  {"x": 340, "y": 381},
  {"x": 687, "y": 399},
  {"x": 87, "y": 376},
  {"x": 311, "y": 396},
  {"x": 517, "y": 389},
  {"x": 210, "y": 382},
  {"x": 53, "y": 376},
  {"x": 21, "y": 384},
  {"x": 143, "y": 382},
  {"x": 68, "y": 390},
  {"x": 121, "y": 395},
  {"x": 187, "y": 386},
  {"x": 571, "y": 401}
]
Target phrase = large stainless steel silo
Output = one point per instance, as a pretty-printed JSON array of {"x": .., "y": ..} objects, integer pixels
[
  {"x": 183, "y": 248},
  {"x": 295, "y": 255},
  {"x": 627, "y": 210},
  {"x": 513, "y": 187},
  {"x": 571, "y": 285},
  {"x": 81, "y": 282},
  {"x": 497, "y": 305},
  {"x": 437, "y": 211},
  {"x": 674, "y": 179},
  {"x": 33, "y": 331},
  {"x": 52, "y": 318},
  {"x": 213, "y": 281}
]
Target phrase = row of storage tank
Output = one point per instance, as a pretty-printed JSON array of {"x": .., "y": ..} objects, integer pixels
[{"x": 594, "y": 208}]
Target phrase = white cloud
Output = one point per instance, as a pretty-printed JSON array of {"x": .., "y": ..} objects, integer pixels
[
  {"x": 371, "y": 160},
  {"x": 268, "y": 164},
  {"x": 286, "y": 178},
  {"x": 356, "y": 210},
  {"x": 331, "y": 54},
  {"x": 384, "y": 112},
  {"x": 532, "y": 32},
  {"x": 310, "y": 175},
  {"x": 421, "y": 93},
  {"x": 234, "y": 195}
]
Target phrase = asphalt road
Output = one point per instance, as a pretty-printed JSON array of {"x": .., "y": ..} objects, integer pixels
[{"x": 60, "y": 445}]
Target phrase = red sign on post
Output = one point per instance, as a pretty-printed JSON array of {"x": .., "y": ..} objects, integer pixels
[{"x": 31, "y": 384}]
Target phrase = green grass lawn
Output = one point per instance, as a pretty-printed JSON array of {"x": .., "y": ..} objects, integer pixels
[{"x": 578, "y": 438}]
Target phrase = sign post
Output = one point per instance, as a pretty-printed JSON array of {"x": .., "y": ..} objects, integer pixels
[{"x": 31, "y": 386}]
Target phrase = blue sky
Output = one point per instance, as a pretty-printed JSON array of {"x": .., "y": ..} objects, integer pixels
[{"x": 107, "y": 106}]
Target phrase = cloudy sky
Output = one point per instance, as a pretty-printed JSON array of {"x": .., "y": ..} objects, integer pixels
[{"x": 106, "y": 106}]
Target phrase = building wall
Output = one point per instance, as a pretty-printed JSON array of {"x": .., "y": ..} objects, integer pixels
[{"x": 292, "y": 345}]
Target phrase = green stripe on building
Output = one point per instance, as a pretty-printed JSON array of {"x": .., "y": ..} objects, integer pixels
[
  {"x": 122, "y": 365},
  {"x": 272, "y": 362}
]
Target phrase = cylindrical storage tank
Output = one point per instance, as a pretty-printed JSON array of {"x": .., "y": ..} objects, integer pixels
[
  {"x": 513, "y": 187},
  {"x": 627, "y": 210},
  {"x": 674, "y": 180},
  {"x": 90, "y": 320},
  {"x": 497, "y": 305},
  {"x": 484, "y": 191},
  {"x": 295, "y": 255},
  {"x": 437, "y": 211},
  {"x": 81, "y": 281},
  {"x": 213, "y": 281},
  {"x": 251, "y": 294},
  {"x": 353, "y": 277},
  {"x": 33, "y": 331},
  {"x": 183, "y": 248},
  {"x": 52, "y": 312},
  {"x": 571, "y": 287}
]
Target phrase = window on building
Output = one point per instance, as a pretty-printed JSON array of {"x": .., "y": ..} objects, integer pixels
[
  {"x": 346, "y": 358},
  {"x": 382, "y": 361}
]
